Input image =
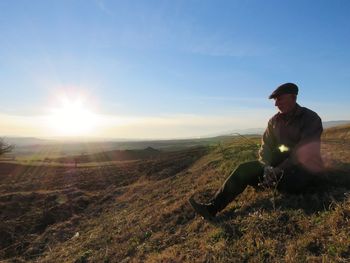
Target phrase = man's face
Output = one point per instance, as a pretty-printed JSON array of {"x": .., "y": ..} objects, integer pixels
[{"x": 285, "y": 102}]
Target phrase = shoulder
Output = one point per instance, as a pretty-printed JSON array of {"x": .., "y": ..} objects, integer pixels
[
  {"x": 308, "y": 114},
  {"x": 274, "y": 119}
]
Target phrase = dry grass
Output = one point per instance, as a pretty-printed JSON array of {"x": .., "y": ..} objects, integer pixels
[{"x": 138, "y": 212}]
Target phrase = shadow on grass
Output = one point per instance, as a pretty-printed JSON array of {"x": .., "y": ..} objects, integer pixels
[{"x": 315, "y": 199}]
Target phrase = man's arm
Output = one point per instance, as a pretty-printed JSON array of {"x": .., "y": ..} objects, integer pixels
[
  {"x": 307, "y": 151},
  {"x": 267, "y": 144}
]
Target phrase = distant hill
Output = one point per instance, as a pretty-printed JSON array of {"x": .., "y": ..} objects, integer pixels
[
  {"x": 63, "y": 149},
  {"x": 24, "y": 141},
  {"x": 329, "y": 124},
  {"x": 26, "y": 144},
  {"x": 115, "y": 155},
  {"x": 326, "y": 124}
]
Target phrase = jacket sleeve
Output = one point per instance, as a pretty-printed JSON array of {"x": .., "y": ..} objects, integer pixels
[
  {"x": 307, "y": 151},
  {"x": 312, "y": 130},
  {"x": 267, "y": 145}
]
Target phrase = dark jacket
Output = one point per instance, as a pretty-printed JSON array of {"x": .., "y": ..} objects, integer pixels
[{"x": 293, "y": 139}]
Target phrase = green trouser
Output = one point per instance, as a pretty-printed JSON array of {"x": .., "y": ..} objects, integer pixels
[{"x": 294, "y": 180}]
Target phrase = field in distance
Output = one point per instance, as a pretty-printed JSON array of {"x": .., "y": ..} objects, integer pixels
[{"x": 40, "y": 152}]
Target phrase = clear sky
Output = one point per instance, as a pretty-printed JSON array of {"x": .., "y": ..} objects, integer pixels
[{"x": 167, "y": 69}]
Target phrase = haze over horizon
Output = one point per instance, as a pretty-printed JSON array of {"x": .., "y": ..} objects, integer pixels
[{"x": 166, "y": 69}]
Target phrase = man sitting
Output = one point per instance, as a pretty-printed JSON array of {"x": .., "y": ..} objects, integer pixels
[{"x": 289, "y": 154}]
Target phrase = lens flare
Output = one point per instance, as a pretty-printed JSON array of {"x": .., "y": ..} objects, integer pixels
[{"x": 283, "y": 148}]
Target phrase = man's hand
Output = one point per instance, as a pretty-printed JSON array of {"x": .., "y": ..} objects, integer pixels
[{"x": 271, "y": 175}]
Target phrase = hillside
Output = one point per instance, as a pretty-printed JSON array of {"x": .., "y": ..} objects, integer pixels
[
  {"x": 340, "y": 133},
  {"x": 329, "y": 124},
  {"x": 138, "y": 211},
  {"x": 30, "y": 147},
  {"x": 115, "y": 155}
]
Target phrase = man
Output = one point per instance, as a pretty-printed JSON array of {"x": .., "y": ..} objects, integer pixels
[{"x": 289, "y": 155}]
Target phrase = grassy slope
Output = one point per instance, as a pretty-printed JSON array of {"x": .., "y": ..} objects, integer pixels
[
  {"x": 342, "y": 133},
  {"x": 139, "y": 213}
]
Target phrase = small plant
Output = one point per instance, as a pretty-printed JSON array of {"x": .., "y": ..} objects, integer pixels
[
  {"x": 273, "y": 187},
  {"x": 84, "y": 257},
  {"x": 5, "y": 147}
]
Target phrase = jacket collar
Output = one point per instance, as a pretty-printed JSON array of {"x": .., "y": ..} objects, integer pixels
[{"x": 297, "y": 111}]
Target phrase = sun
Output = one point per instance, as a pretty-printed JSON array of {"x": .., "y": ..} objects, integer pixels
[{"x": 72, "y": 118}]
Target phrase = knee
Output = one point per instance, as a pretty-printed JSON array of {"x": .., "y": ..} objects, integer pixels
[
  {"x": 239, "y": 172},
  {"x": 245, "y": 166},
  {"x": 250, "y": 167},
  {"x": 250, "y": 172}
]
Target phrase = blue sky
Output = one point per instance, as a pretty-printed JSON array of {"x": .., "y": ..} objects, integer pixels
[{"x": 168, "y": 69}]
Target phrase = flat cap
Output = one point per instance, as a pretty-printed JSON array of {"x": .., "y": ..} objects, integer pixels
[{"x": 286, "y": 88}]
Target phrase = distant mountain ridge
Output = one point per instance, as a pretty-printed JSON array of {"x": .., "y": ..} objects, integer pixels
[
  {"x": 22, "y": 141},
  {"x": 115, "y": 155},
  {"x": 326, "y": 125},
  {"x": 329, "y": 124},
  {"x": 29, "y": 141}
]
